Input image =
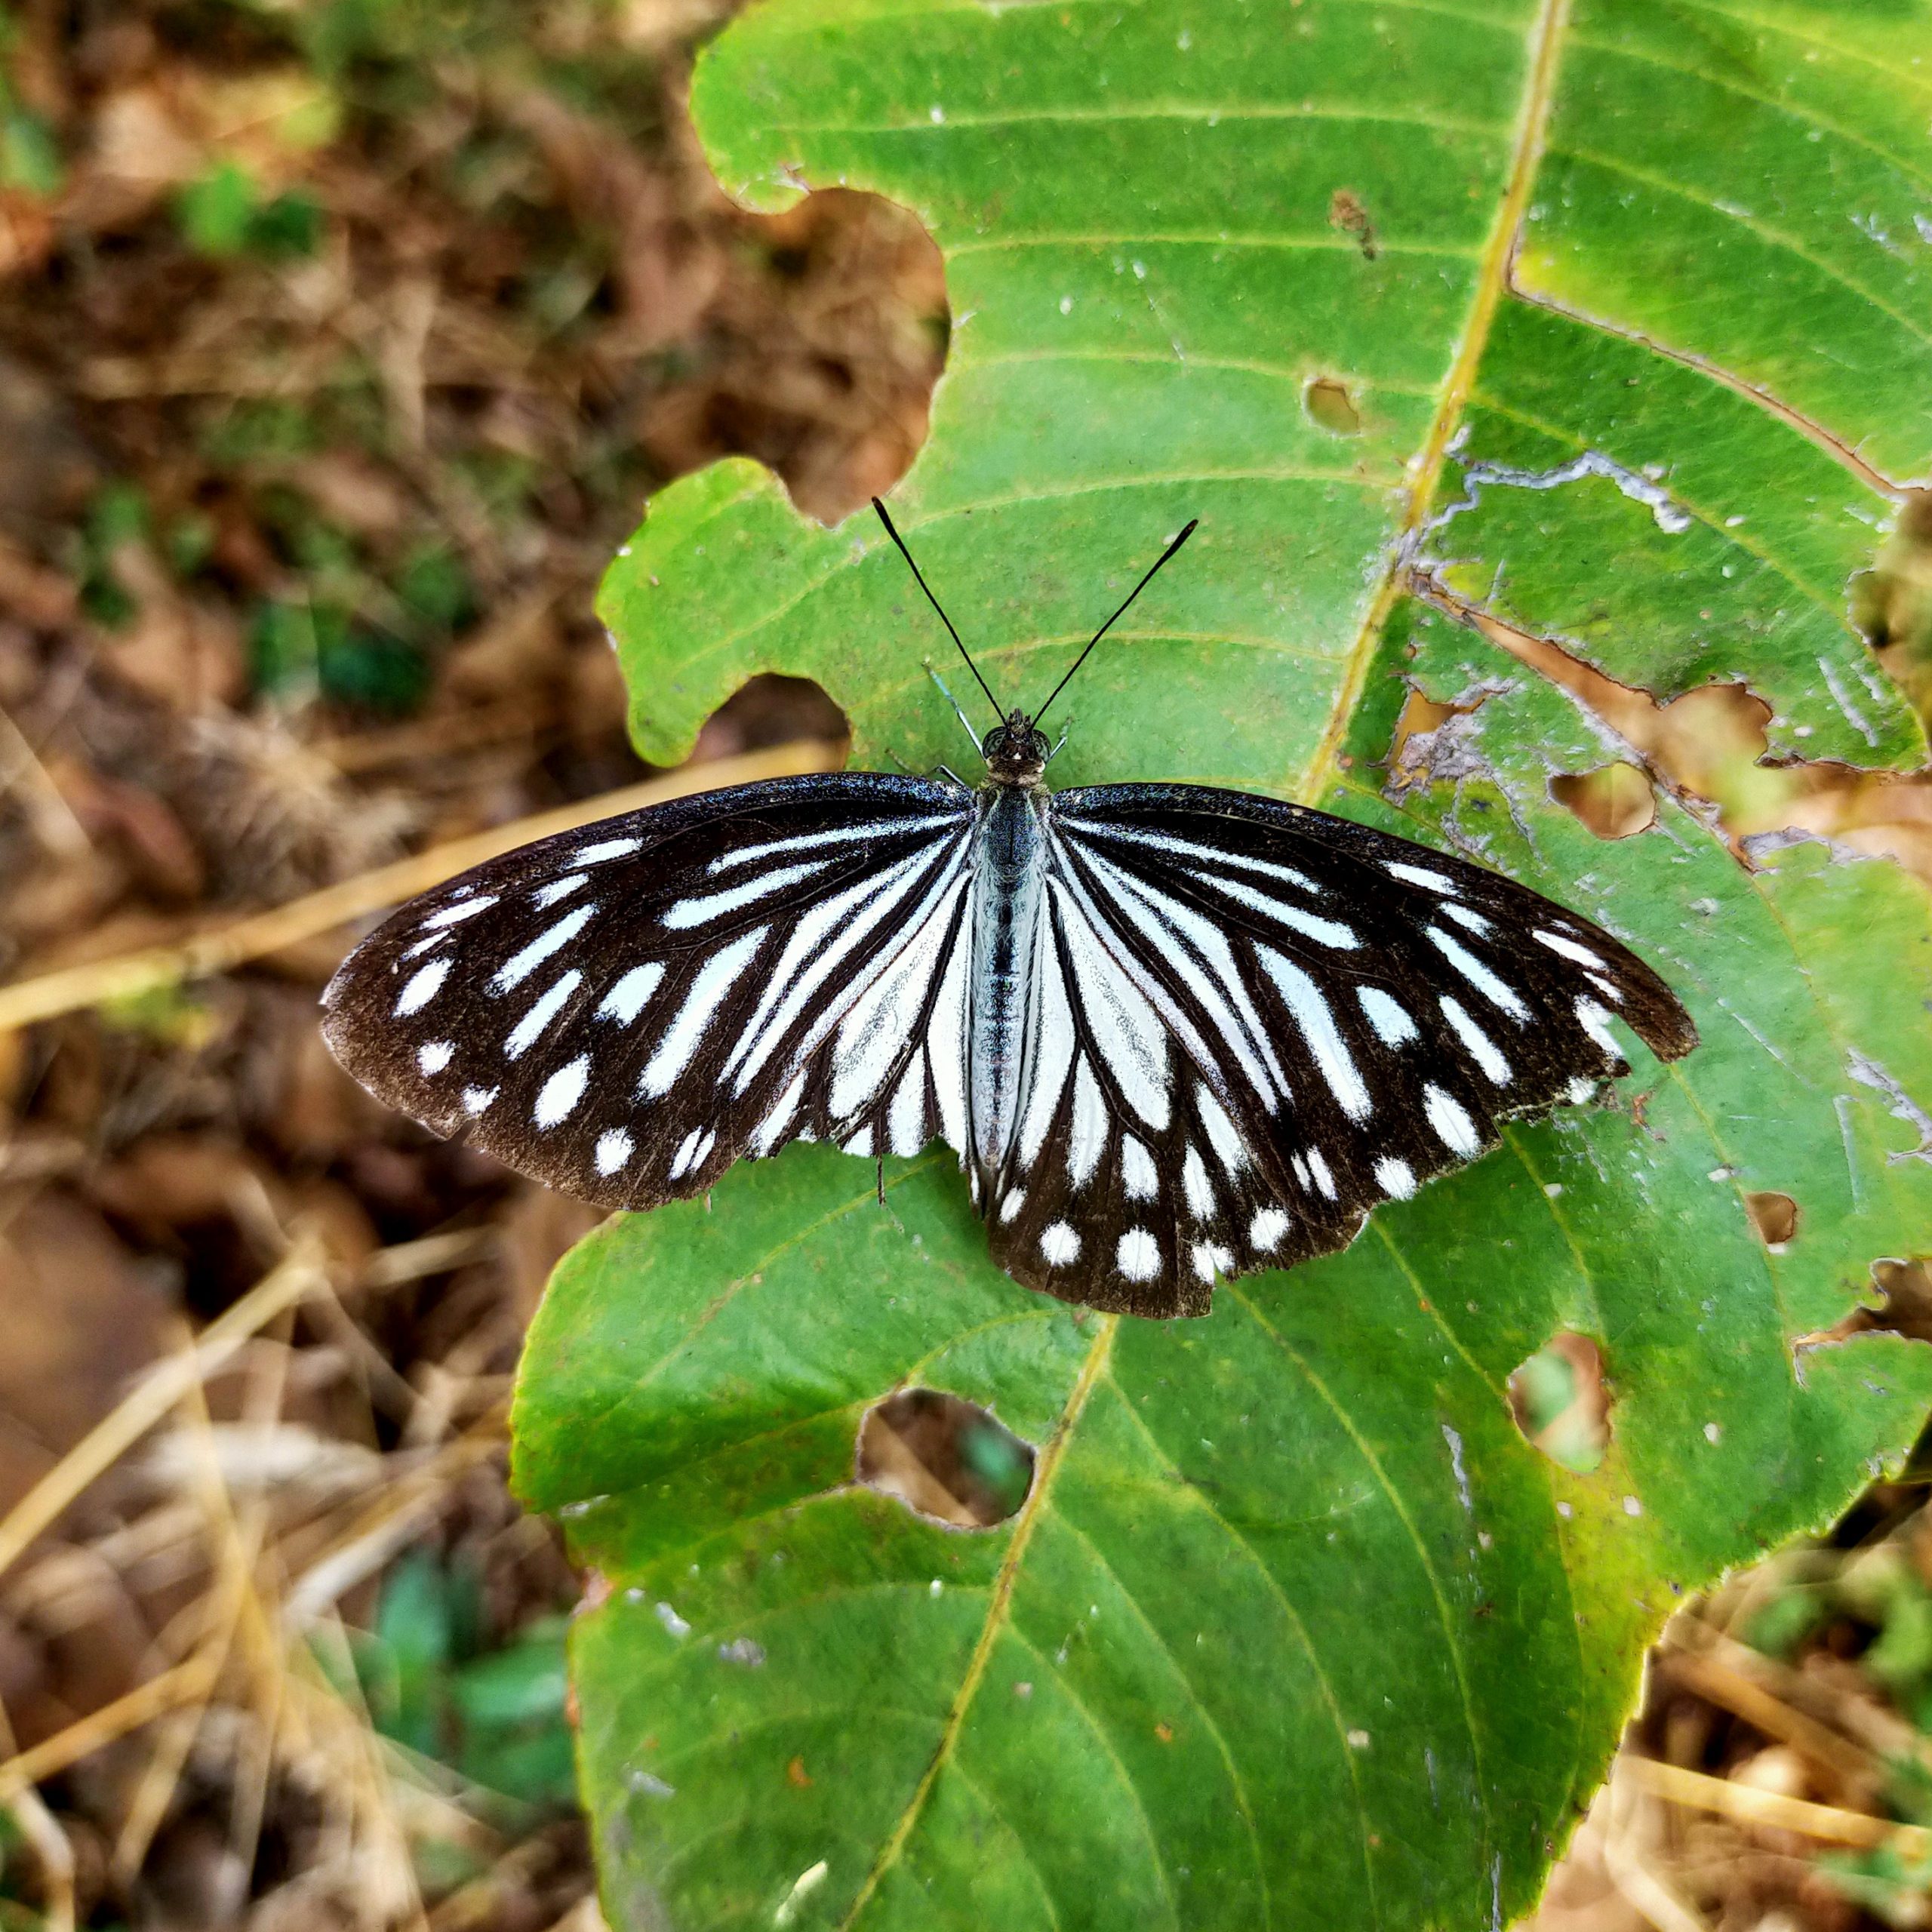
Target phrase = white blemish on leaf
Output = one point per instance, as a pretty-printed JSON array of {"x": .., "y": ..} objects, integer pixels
[
  {"x": 1640, "y": 489},
  {"x": 1902, "y": 1106},
  {"x": 1464, "y": 1495}
]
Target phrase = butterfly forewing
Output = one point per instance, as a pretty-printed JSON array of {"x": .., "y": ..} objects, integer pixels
[
  {"x": 623, "y": 1011},
  {"x": 1260, "y": 1021}
]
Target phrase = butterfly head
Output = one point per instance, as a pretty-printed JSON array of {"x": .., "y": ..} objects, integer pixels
[{"x": 1016, "y": 753}]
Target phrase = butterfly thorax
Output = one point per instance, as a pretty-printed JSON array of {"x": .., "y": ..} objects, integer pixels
[{"x": 1016, "y": 753}]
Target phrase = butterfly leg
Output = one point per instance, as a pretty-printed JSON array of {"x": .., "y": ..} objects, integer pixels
[{"x": 1066, "y": 732}]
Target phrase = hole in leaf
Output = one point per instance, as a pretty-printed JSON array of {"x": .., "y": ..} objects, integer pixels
[
  {"x": 1561, "y": 1403},
  {"x": 1613, "y": 801},
  {"x": 826, "y": 328},
  {"x": 1891, "y": 603},
  {"x": 1330, "y": 406},
  {"x": 770, "y": 709},
  {"x": 1424, "y": 747},
  {"x": 945, "y": 1457},
  {"x": 1776, "y": 1216},
  {"x": 1905, "y": 1308}
]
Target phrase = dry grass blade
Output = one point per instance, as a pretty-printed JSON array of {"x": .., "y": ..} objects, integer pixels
[
  {"x": 1697, "y": 1791},
  {"x": 299, "y": 1273},
  {"x": 187, "y": 1683},
  {"x": 262, "y": 933},
  {"x": 1847, "y": 1767}
]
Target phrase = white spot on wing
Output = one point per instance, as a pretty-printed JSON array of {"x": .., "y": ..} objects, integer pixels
[
  {"x": 1010, "y": 1207},
  {"x": 813, "y": 842},
  {"x": 1229, "y": 1146},
  {"x": 1471, "y": 922},
  {"x": 625, "y": 1000},
  {"x": 422, "y": 989},
  {"x": 1137, "y": 1171},
  {"x": 1398, "y": 1179},
  {"x": 524, "y": 1034},
  {"x": 905, "y": 1126},
  {"x": 765, "y": 1135},
  {"x": 557, "y": 1099},
  {"x": 1265, "y": 1230},
  {"x": 476, "y": 1099},
  {"x": 1059, "y": 1246},
  {"x": 1161, "y": 841},
  {"x": 558, "y": 888},
  {"x": 1138, "y": 1255},
  {"x": 1325, "y": 932},
  {"x": 1318, "y": 1166},
  {"x": 1391, "y": 1021},
  {"x": 1208, "y": 1257},
  {"x": 1477, "y": 974},
  {"x": 714, "y": 980},
  {"x": 608, "y": 848},
  {"x": 1194, "y": 1182},
  {"x": 690, "y": 1152},
  {"x": 613, "y": 1149},
  {"x": 861, "y": 1143},
  {"x": 1591, "y": 1017},
  {"x": 467, "y": 908},
  {"x": 1567, "y": 947},
  {"x": 1419, "y": 876},
  {"x": 433, "y": 1057},
  {"x": 519, "y": 966},
  {"x": 1304, "y": 999},
  {"x": 1450, "y": 1120},
  {"x": 1482, "y": 1049},
  {"x": 1087, "y": 1137},
  {"x": 689, "y": 913}
]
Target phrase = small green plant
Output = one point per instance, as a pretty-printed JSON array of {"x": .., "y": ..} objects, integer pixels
[
  {"x": 495, "y": 1716},
  {"x": 223, "y": 213}
]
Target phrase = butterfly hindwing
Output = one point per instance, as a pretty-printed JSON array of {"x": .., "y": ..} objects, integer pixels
[
  {"x": 1276, "y": 1020},
  {"x": 623, "y": 1011}
]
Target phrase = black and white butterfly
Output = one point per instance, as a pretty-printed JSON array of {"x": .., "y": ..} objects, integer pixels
[{"x": 1173, "y": 1032}]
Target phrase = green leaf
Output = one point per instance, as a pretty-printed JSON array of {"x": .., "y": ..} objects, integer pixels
[
  {"x": 217, "y": 209},
  {"x": 1607, "y": 318}
]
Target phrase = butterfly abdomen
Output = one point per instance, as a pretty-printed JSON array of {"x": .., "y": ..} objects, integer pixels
[{"x": 1009, "y": 872}]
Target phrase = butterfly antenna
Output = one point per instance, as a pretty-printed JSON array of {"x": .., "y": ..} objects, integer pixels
[
  {"x": 935, "y": 603},
  {"x": 1192, "y": 524}
]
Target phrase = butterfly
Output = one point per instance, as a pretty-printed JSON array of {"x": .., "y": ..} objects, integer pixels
[{"x": 1174, "y": 1033}]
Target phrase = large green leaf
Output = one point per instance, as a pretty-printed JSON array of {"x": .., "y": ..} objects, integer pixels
[{"x": 1618, "y": 314}]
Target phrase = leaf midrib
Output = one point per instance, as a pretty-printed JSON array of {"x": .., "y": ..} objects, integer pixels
[
  {"x": 998, "y": 1611},
  {"x": 1493, "y": 278}
]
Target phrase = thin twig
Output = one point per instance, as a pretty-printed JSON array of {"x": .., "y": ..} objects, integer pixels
[
  {"x": 223, "y": 948},
  {"x": 1698, "y": 1791}
]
